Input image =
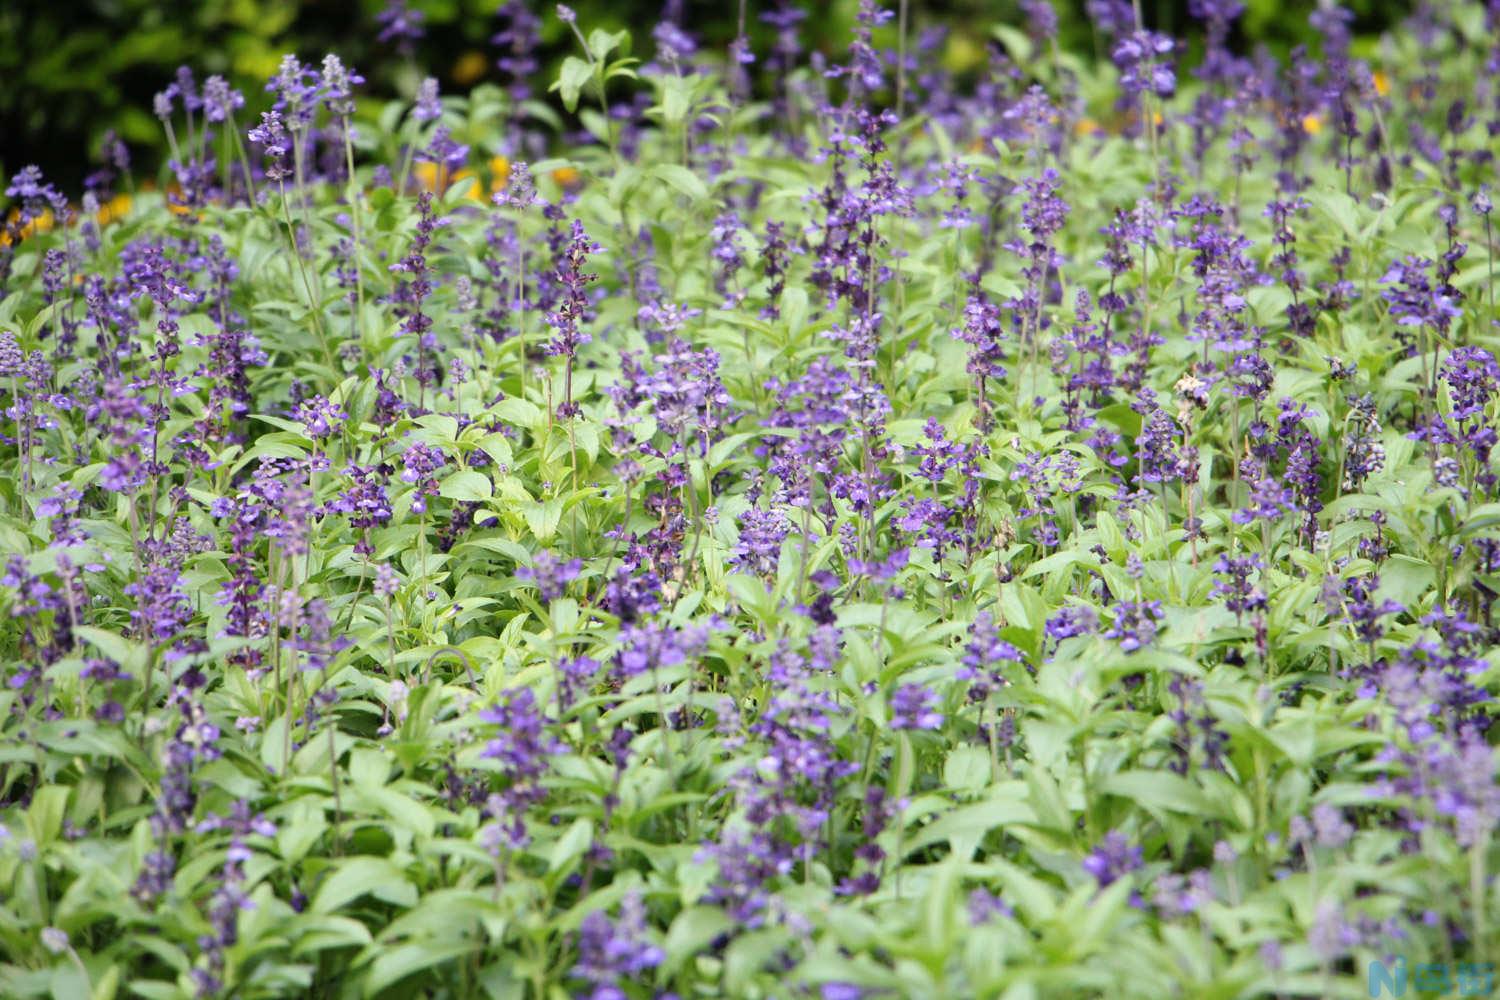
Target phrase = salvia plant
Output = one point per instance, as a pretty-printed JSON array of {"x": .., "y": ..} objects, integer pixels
[{"x": 773, "y": 523}]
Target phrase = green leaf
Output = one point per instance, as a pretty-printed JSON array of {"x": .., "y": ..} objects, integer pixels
[
  {"x": 69, "y": 982},
  {"x": 392, "y": 965},
  {"x": 543, "y": 517},
  {"x": 676, "y": 99},
  {"x": 693, "y": 930},
  {"x": 1159, "y": 790},
  {"x": 967, "y": 768},
  {"x": 681, "y": 178},
  {"x": 574, "y": 76},
  {"x": 571, "y": 845},
  {"x": 518, "y": 412},
  {"x": 602, "y": 43},
  {"x": 466, "y": 484},
  {"x": 355, "y": 877}
]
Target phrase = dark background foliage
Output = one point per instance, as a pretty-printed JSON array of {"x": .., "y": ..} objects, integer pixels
[{"x": 70, "y": 70}]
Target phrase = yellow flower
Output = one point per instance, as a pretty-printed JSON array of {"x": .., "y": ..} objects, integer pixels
[
  {"x": 474, "y": 191},
  {"x": 469, "y": 67},
  {"x": 1382, "y": 82},
  {"x": 499, "y": 173},
  {"x": 567, "y": 177},
  {"x": 41, "y": 224},
  {"x": 114, "y": 210},
  {"x": 173, "y": 193},
  {"x": 426, "y": 175},
  {"x": 1085, "y": 126},
  {"x": 1312, "y": 124}
]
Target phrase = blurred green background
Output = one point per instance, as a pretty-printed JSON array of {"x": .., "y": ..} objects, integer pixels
[{"x": 71, "y": 69}]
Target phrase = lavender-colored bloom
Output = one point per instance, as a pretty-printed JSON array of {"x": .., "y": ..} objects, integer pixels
[
  {"x": 401, "y": 25},
  {"x": 55, "y": 940},
  {"x": 429, "y": 105},
  {"x": 518, "y": 44},
  {"x": 1142, "y": 57},
  {"x": 983, "y": 654},
  {"x": 1472, "y": 376},
  {"x": 984, "y": 906},
  {"x": 673, "y": 45},
  {"x": 565, "y": 320},
  {"x": 758, "y": 549},
  {"x": 612, "y": 952},
  {"x": 550, "y": 574},
  {"x": 522, "y": 743},
  {"x": 338, "y": 83},
  {"x": 322, "y": 417},
  {"x": 1113, "y": 858},
  {"x": 913, "y": 706},
  {"x": 443, "y": 150},
  {"x": 1330, "y": 828},
  {"x": 296, "y": 88},
  {"x": 1111, "y": 17},
  {"x": 220, "y": 101},
  {"x": 275, "y": 143},
  {"x": 1239, "y": 594},
  {"x": 1135, "y": 624},
  {"x": 650, "y": 646},
  {"x": 420, "y": 461},
  {"x": 1041, "y": 19},
  {"x": 1175, "y": 895},
  {"x": 1414, "y": 301},
  {"x": 1072, "y": 620}
]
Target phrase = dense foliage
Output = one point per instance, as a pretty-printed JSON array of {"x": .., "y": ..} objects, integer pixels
[
  {"x": 75, "y": 72},
  {"x": 885, "y": 540}
]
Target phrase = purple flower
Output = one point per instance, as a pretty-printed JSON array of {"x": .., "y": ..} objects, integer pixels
[
  {"x": 1135, "y": 624},
  {"x": 550, "y": 574},
  {"x": 983, "y": 654},
  {"x": 1112, "y": 858},
  {"x": 913, "y": 707},
  {"x": 758, "y": 549},
  {"x": 1413, "y": 299},
  {"x": 220, "y": 101},
  {"x": 567, "y": 337},
  {"x": 985, "y": 906},
  {"x": 611, "y": 952},
  {"x": 275, "y": 143},
  {"x": 420, "y": 461},
  {"x": 400, "y": 24},
  {"x": 1144, "y": 67},
  {"x": 1072, "y": 620},
  {"x": 518, "y": 43},
  {"x": 322, "y": 417},
  {"x": 1239, "y": 594},
  {"x": 429, "y": 106},
  {"x": 651, "y": 646}
]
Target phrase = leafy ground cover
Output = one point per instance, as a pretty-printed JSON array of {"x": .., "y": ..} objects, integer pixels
[{"x": 840, "y": 531}]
